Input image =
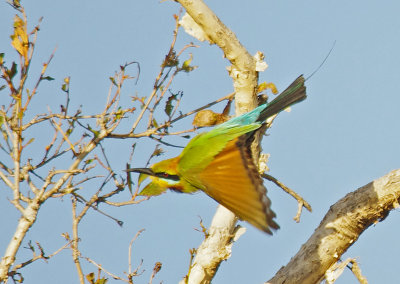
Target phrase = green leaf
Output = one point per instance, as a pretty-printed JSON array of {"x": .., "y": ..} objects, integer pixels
[
  {"x": 13, "y": 71},
  {"x": 186, "y": 65},
  {"x": 155, "y": 123},
  {"x": 112, "y": 79},
  {"x": 90, "y": 278},
  {"x": 2, "y": 87},
  {"x": 95, "y": 132},
  {"x": 1, "y": 58},
  {"x": 119, "y": 113},
  {"x": 30, "y": 141},
  {"x": 48, "y": 78},
  {"x": 64, "y": 87},
  {"x": 101, "y": 281},
  {"x": 169, "y": 107},
  {"x": 89, "y": 161}
]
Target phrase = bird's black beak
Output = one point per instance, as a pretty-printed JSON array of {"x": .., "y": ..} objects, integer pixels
[{"x": 145, "y": 171}]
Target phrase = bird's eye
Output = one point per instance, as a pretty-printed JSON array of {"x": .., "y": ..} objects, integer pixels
[
  {"x": 162, "y": 175},
  {"x": 167, "y": 176}
]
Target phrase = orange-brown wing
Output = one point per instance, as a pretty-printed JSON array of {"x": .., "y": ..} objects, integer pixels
[{"x": 233, "y": 181}]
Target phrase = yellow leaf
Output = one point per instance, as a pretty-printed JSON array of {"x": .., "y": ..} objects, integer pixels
[
  {"x": 16, "y": 43},
  {"x": 272, "y": 87},
  {"x": 264, "y": 86},
  {"x": 261, "y": 87},
  {"x": 20, "y": 39}
]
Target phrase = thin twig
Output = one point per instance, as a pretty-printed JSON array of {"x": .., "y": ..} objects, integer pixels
[
  {"x": 75, "y": 239},
  {"x": 45, "y": 65},
  {"x": 166, "y": 143},
  {"x": 89, "y": 204},
  {"x": 6, "y": 180},
  {"x": 300, "y": 200},
  {"x": 129, "y": 202},
  {"x": 43, "y": 117},
  {"x": 227, "y": 97},
  {"x": 355, "y": 268},
  {"x": 130, "y": 251},
  {"x": 40, "y": 256},
  {"x": 156, "y": 269},
  {"x": 154, "y": 131},
  {"x": 99, "y": 266},
  {"x": 65, "y": 136}
]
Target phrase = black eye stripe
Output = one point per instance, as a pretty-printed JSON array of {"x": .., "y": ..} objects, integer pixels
[{"x": 167, "y": 176}]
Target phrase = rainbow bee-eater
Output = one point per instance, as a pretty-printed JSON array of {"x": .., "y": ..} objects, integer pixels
[{"x": 220, "y": 163}]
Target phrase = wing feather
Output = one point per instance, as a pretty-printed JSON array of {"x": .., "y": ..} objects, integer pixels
[{"x": 233, "y": 181}]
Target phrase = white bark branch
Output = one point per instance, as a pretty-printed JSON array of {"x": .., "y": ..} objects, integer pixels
[
  {"x": 29, "y": 214},
  {"x": 25, "y": 222},
  {"x": 340, "y": 228},
  {"x": 243, "y": 69},
  {"x": 216, "y": 247}
]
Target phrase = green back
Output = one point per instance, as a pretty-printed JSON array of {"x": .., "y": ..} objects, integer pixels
[{"x": 202, "y": 149}]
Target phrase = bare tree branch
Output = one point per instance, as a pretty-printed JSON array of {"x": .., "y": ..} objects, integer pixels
[
  {"x": 245, "y": 79},
  {"x": 215, "y": 248},
  {"x": 243, "y": 69},
  {"x": 300, "y": 200},
  {"x": 340, "y": 228}
]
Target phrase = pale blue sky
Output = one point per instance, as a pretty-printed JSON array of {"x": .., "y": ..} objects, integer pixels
[{"x": 343, "y": 136}]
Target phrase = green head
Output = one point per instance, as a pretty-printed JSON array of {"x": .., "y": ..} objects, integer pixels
[{"x": 164, "y": 175}]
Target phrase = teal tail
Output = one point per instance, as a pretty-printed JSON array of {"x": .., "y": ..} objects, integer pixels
[{"x": 293, "y": 94}]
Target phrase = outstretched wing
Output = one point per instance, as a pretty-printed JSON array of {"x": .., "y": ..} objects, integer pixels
[
  {"x": 233, "y": 181},
  {"x": 220, "y": 163}
]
